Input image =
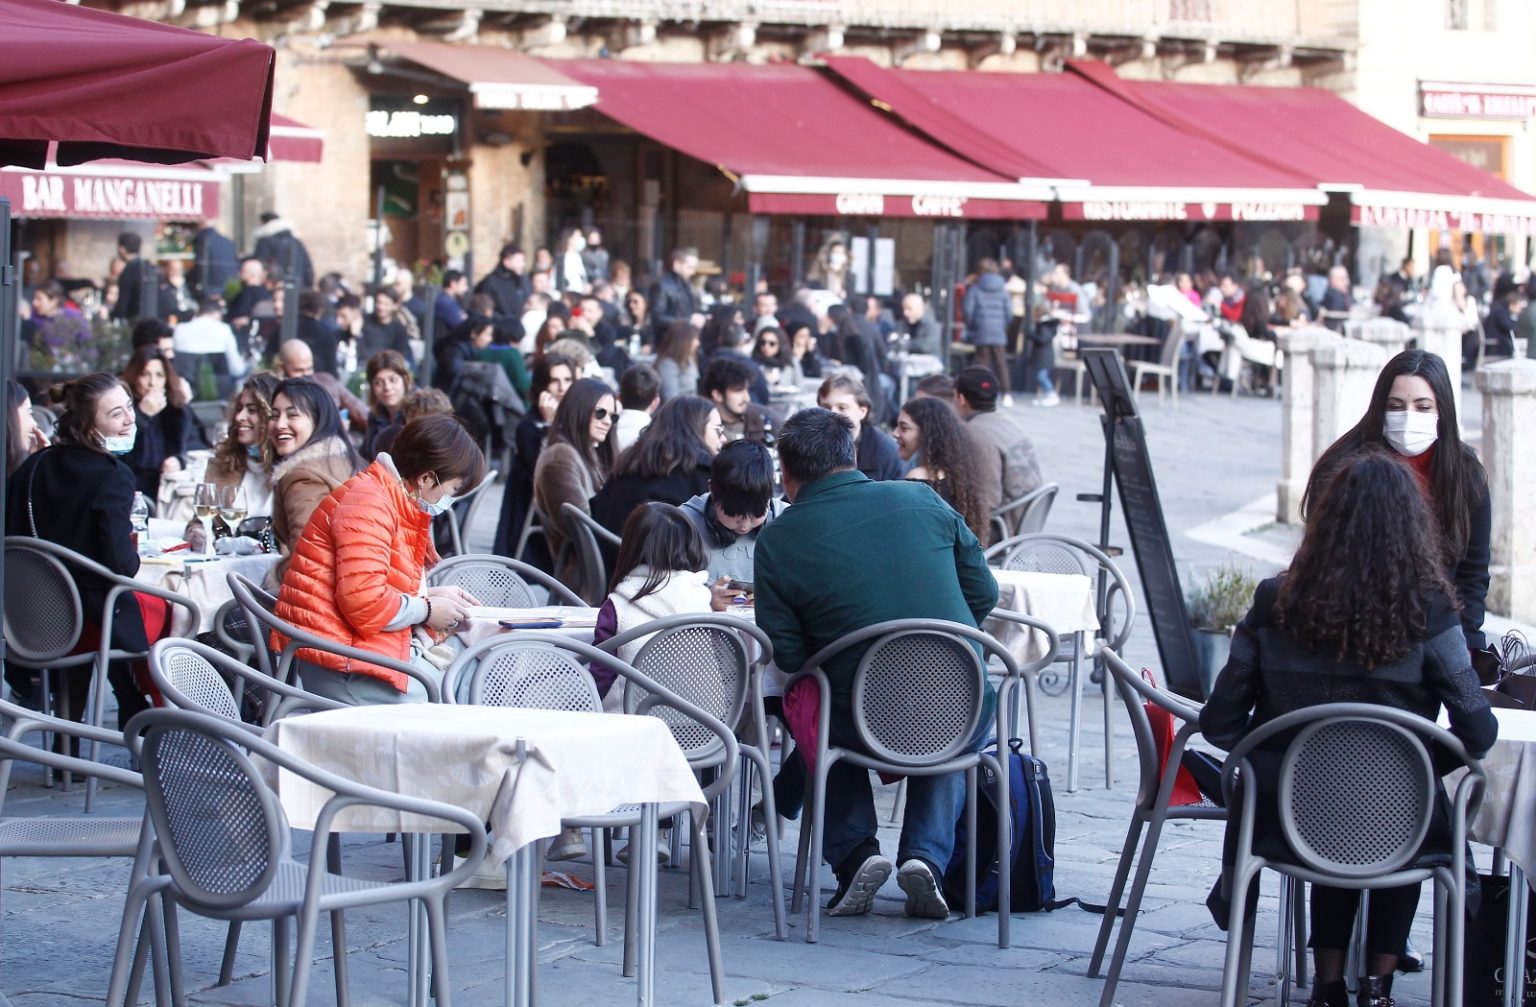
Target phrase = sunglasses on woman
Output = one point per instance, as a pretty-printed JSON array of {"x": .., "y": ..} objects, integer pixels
[{"x": 602, "y": 414}]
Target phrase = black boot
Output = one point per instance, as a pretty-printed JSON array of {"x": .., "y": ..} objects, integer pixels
[
  {"x": 1375, "y": 991},
  {"x": 1334, "y": 994}
]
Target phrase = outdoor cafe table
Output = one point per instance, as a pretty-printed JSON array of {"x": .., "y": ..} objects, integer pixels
[
  {"x": 205, "y": 581},
  {"x": 1506, "y": 821},
  {"x": 521, "y": 770}
]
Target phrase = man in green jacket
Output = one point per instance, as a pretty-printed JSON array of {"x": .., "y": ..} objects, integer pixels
[{"x": 851, "y": 553}]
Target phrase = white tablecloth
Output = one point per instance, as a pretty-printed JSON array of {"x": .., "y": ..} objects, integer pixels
[
  {"x": 579, "y": 764},
  {"x": 204, "y": 582},
  {"x": 1507, "y": 818},
  {"x": 480, "y": 629},
  {"x": 1065, "y": 601}
]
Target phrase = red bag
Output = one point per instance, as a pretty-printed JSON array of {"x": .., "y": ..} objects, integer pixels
[{"x": 1164, "y": 727}]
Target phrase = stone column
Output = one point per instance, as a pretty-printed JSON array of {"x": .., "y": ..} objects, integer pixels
[
  {"x": 1391, "y": 335},
  {"x": 1509, "y": 417},
  {"x": 1346, "y": 373},
  {"x": 1446, "y": 344},
  {"x": 1298, "y": 395}
]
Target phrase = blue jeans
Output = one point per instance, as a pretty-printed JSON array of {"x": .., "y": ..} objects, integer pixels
[
  {"x": 1043, "y": 379},
  {"x": 934, "y": 804}
]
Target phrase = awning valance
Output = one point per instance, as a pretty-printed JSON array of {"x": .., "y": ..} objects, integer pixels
[
  {"x": 796, "y": 142},
  {"x": 499, "y": 78},
  {"x": 291, "y": 140}
]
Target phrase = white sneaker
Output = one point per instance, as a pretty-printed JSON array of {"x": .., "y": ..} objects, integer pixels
[
  {"x": 1049, "y": 400},
  {"x": 663, "y": 849},
  {"x": 486, "y": 878},
  {"x": 1007, "y": 401}
]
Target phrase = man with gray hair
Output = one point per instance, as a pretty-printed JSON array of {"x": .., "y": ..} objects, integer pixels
[{"x": 852, "y": 553}]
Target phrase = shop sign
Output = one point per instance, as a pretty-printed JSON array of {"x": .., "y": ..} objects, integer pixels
[
  {"x": 1137, "y": 211},
  {"x": 1478, "y": 101},
  {"x": 409, "y": 124},
  {"x": 872, "y": 204},
  {"x": 1111, "y": 210},
  {"x": 1445, "y": 220},
  {"x": 43, "y": 194}
]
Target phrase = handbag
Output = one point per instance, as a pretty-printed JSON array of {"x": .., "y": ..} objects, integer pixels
[
  {"x": 1507, "y": 670},
  {"x": 1185, "y": 789}
]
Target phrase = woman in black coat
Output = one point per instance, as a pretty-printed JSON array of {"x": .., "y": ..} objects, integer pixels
[
  {"x": 668, "y": 463},
  {"x": 1413, "y": 414},
  {"x": 165, "y": 429},
  {"x": 553, "y": 375},
  {"x": 78, "y": 494},
  {"x": 1365, "y": 614}
]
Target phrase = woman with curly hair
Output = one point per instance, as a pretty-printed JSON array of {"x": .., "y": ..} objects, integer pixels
[
  {"x": 1413, "y": 414},
  {"x": 1365, "y": 614},
  {"x": 943, "y": 454}
]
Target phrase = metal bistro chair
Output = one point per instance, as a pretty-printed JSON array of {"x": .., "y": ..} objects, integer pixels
[
  {"x": 499, "y": 582},
  {"x": 44, "y": 619},
  {"x": 1048, "y": 553},
  {"x": 1153, "y": 795},
  {"x": 1025, "y": 515},
  {"x": 533, "y": 524},
  {"x": 1166, "y": 369},
  {"x": 233, "y": 631},
  {"x": 1357, "y": 791},
  {"x": 279, "y": 664},
  {"x": 459, "y": 530},
  {"x": 918, "y": 702},
  {"x": 224, "y": 843},
  {"x": 585, "y": 536},
  {"x": 708, "y": 660},
  {"x": 56, "y": 835},
  {"x": 192, "y": 676},
  {"x": 544, "y": 671}
]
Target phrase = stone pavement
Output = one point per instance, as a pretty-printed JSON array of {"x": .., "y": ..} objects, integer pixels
[{"x": 1212, "y": 457}]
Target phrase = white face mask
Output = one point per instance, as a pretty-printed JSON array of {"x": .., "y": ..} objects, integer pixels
[
  {"x": 837, "y": 260},
  {"x": 436, "y": 509},
  {"x": 120, "y": 444},
  {"x": 1411, "y": 433}
]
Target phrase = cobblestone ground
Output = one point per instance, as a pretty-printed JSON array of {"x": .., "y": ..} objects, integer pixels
[{"x": 1212, "y": 455}]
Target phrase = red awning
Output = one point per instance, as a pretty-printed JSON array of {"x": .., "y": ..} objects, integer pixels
[
  {"x": 294, "y": 141},
  {"x": 497, "y": 77},
  {"x": 1392, "y": 179},
  {"x": 114, "y": 190},
  {"x": 1112, "y": 160},
  {"x": 106, "y": 85},
  {"x": 798, "y": 143}
]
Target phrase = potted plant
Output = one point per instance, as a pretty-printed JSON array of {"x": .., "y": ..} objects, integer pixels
[{"x": 1215, "y": 605}]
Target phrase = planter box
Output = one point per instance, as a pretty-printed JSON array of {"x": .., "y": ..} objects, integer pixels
[{"x": 1212, "y": 647}]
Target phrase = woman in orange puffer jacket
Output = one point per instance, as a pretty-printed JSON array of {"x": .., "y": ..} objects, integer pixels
[{"x": 356, "y": 574}]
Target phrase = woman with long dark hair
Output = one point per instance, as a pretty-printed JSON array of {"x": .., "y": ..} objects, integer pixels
[
  {"x": 677, "y": 359},
  {"x": 1413, "y": 414},
  {"x": 22, "y": 436},
  {"x": 669, "y": 462},
  {"x": 78, "y": 494},
  {"x": 313, "y": 455},
  {"x": 577, "y": 457},
  {"x": 1364, "y": 614},
  {"x": 552, "y": 376},
  {"x": 945, "y": 456},
  {"x": 164, "y": 427}
]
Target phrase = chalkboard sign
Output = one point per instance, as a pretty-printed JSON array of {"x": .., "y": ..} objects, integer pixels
[{"x": 1143, "y": 511}]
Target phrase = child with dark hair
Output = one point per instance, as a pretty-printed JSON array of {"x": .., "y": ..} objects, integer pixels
[
  {"x": 660, "y": 572},
  {"x": 739, "y": 503}
]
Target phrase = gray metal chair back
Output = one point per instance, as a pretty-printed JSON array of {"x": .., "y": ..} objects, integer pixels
[
  {"x": 918, "y": 697},
  {"x": 280, "y": 663},
  {"x": 1025, "y": 515},
  {"x": 194, "y": 676},
  {"x": 1388, "y": 792},
  {"x": 222, "y": 833},
  {"x": 44, "y": 616},
  {"x": 248, "y": 598},
  {"x": 527, "y": 675},
  {"x": 232, "y": 629},
  {"x": 500, "y": 582},
  {"x": 1045, "y": 552},
  {"x": 584, "y": 534},
  {"x": 459, "y": 530}
]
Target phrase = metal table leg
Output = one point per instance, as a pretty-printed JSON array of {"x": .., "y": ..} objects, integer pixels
[
  {"x": 522, "y": 874},
  {"x": 418, "y": 955},
  {"x": 646, "y": 910},
  {"x": 1514, "y": 938}
]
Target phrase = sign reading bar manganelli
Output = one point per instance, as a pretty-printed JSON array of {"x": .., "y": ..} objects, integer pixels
[
  {"x": 1441, "y": 100},
  {"x": 50, "y": 194}
]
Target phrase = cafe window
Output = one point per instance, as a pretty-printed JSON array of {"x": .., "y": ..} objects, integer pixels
[{"x": 1456, "y": 14}]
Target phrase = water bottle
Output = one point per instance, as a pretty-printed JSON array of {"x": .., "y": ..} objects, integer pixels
[
  {"x": 138, "y": 517},
  {"x": 634, "y": 344}
]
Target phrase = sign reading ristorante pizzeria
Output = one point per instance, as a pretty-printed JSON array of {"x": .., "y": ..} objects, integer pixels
[
  {"x": 60, "y": 194},
  {"x": 1175, "y": 210}
]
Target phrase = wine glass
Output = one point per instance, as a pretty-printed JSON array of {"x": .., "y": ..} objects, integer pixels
[
  {"x": 232, "y": 506},
  {"x": 205, "y": 504}
]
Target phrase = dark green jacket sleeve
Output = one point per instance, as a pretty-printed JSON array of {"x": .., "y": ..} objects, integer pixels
[
  {"x": 775, "y": 615},
  {"x": 976, "y": 580}
]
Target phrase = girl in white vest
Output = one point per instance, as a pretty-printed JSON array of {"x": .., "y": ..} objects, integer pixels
[{"x": 662, "y": 570}]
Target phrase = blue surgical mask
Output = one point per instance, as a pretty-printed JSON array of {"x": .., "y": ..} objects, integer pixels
[
  {"x": 253, "y": 451},
  {"x": 120, "y": 444},
  {"x": 436, "y": 509}
]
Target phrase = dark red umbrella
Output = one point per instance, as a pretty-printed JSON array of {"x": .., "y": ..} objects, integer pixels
[{"x": 106, "y": 85}]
